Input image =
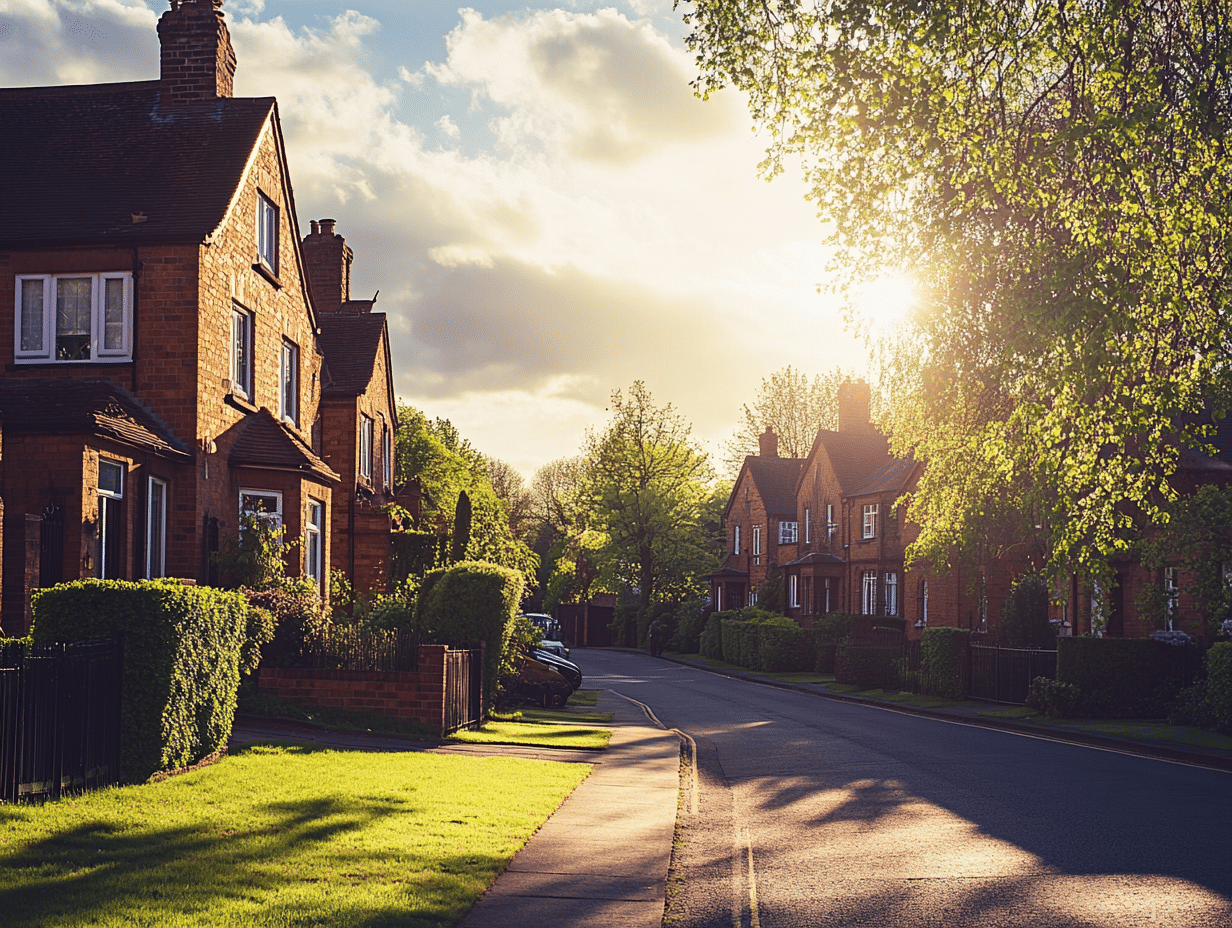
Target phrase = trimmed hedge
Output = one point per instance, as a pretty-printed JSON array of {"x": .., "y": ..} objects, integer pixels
[
  {"x": 1208, "y": 703},
  {"x": 759, "y": 640},
  {"x": 182, "y": 647},
  {"x": 469, "y": 602},
  {"x": 1125, "y": 677},
  {"x": 943, "y": 653},
  {"x": 710, "y": 642}
]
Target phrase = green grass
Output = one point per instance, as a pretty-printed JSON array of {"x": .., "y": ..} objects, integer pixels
[
  {"x": 584, "y": 698},
  {"x": 286, "y": 836},
  {"x": 264, "y": 704},
  {"x": 537, "y": 734},
  {"x": 1140, "y": 730},
  {"x": 786, "y": 677},
  {"x": 913, "y": 699}
]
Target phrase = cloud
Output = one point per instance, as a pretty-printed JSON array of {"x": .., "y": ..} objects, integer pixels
[
  {"x": 43, "y": 43},
  {"x": 447, "y": 126}
]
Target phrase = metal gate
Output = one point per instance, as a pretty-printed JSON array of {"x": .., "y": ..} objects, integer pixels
[{"x": 463, "y": 690}]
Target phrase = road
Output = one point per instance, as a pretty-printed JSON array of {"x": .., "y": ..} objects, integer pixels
[{"x": 812, "y": 812}]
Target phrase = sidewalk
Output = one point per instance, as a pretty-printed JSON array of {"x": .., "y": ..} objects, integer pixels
[{"x": 969, "y": 713}]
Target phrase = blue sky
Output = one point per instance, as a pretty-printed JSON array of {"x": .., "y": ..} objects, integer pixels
[{"x": 548, "y": 212}]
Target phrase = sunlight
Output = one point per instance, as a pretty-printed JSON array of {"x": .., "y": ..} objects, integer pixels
[{"x": 884, "y": 305}]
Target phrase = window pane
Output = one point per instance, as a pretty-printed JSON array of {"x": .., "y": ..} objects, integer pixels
[
  {"x": 73, "y": 299},
  {"x": 241, "y": 352},
  {"x": 32, "y": 315},
  {"x": 156, "y": 538},
  {"x": 110, "y": 478},
  {"x": 113, "y": 313}
]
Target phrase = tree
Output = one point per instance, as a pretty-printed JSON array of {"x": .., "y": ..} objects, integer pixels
[
  {"x": 1056, "y": 176},
  {"x": 647, "y": 483},
  {"x": 791, "y": 405},
  {"x": 461, "y": 528}
]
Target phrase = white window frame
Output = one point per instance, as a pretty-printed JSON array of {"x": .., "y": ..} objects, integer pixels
[
  {"x": 891, "y": 593},
  {"x": 756, "y": 540},
  {"x": 314, "y": 549},
  {"x": 736, "y": 539},
  {"x": 1172, "y": 594},
  {"x": 243, "y": 325},
  {"x": 156, "y": 528},
  {"x": 827, "y": 603},
  {"x": 870, "y": 520},
  {"x": 106, "y": 530},
  {"x": 789, "y": 533},
  {"x": 793, "y": 591},
  {"x": 366, "y": 428},
  {"x": 288, "y": 382},
  {"x": 923, "y": 623},
  {"x": 868, "y": 592},
  {"x": 808, "y": 526},
  {"x": 831, "y": 528},
  {"x": 45, "y": 352},
  {"x": 387, "y": 455},
  {"x": 753, "y": 597},
  {"x": 267, "y": 233},
  {"x": 272, "y": 517}
]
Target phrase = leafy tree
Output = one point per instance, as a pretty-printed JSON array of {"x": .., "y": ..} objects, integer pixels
[
  {"x": 1056, "y": 177},
  {"x": 647, "y": 484},
  {"x": 1024, "y": 615},
  {"x": 461, "y": 528},
  {"x": 794, "y": 407}
]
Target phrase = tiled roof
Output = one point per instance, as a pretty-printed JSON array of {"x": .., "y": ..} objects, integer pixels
[
  {"x": 265, "y": 442},
  {"x": 775, "y": 479},
  {"x": 816, "y": 557},
  {"x": 351, "y": 345},
  {"x": 857, "y": 458},
  {"x": 93, "y": 407},
  {"x": 106, "y": 164},
  {"x": 724, "y": 573}
]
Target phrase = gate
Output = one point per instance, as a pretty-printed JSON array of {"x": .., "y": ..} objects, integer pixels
[
  {"x": 1005, "y": 674},
  {"x": 463, "y": 690},
  {"x": 59, "y": 719}
]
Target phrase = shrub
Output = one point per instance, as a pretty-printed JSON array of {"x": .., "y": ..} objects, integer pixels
[
  {"x": 182, "y": 648},
  {"x": 1125, "y": 677},
  {"x": 1208, "y": 703},
  {"x": 1055, "y": 700},
  {"x": 710, "y": 641},
  {"x": 411, "y": 553},
  {"x": 687, "y": 623},
  {"x": 943, "y": 655},
  {"x": 299, "y": 621},
  {"x": 470, "y": 602},
  {"x": 1024, "y": 616},
  {"x": 760, "y": 640}
]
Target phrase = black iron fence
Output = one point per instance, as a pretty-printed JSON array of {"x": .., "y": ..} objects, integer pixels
[
  {"x": 59, "y": 718},
  {"x": 1005, "y": 674},
  {"x": 342, "y": 647},
  {"x": 463, "y": 690}
]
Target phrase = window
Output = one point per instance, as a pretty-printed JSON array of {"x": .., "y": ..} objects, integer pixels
[
  {"x": 365, "y": 446},
  {"x": 793, "y": 591},
  {"x": 923, "y": 623},
  {"x": 868, "y": 592},
  {"x": 288, "y": 375},
  {"x": 870, "y": 520},
  {"x": 756, "y": 540},
  {"x": 736, "y": 540},
  {"x": 891, "y": 594},
  {"x": 110, "y": 519},
  {"x": 265, "y": 505},
  {"x": 387, "y": 456},
  {"x": 1172, "y": 593},
  {"x": 241, "y": 352},
  {"x": 753, "y": 598},
  {"x": 826, "y": 604},
  {"x": 808, "y": 526},
  {"x": 718, "y": 599},
  {"x": 831, "y": 528},
  {"x": 788, "y": 532},
  {"x": 806, "y": 595},
  {"x": 74, "y": 317},
  {"x": 156, "y": 528},
  {"x": 312, "y": 540},
  {"x": 267, "y": 232}
]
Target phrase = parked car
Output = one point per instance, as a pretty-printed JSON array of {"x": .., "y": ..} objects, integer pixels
[
  {"x": 567, "y": 669},
  {"x": 549, "y": 628},
  {"x": 538, "y": 683}
]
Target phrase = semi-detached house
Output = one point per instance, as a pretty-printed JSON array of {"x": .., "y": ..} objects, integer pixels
[{"x": 165, "y": 363}]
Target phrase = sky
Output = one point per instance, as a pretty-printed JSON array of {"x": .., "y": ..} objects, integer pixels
[{"x": 547, "y": 210}]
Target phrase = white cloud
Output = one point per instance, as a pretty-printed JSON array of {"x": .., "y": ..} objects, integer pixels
[{"x": 447, "y": 126}]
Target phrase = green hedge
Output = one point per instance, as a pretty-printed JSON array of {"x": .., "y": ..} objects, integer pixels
[
  {"x": 758, "y": 640},
  {"x": 1125, "y": 677},
  {"x": 182, "y": 647},
  {"x": 1208, "y": 703},
  {"x": 710, "y": 641},
  {"x": 469, "y": 602},
  {"x": 299, "y": 620},
  {"x": 943, "y": 654}
]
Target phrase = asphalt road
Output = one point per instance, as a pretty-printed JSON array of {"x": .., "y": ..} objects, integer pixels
[{"x": 805, "y": 811}]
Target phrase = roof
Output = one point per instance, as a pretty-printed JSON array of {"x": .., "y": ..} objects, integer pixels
[
  {"x": 106, "y": 164},
  {"x": 775, "y": 479},
  {"x": 816, "y": 557},
  {"x": 728, "y": 572},
  {"x": 352, "y": 344},
  {"x": 266, "y": 443},
  {"x": 94, "y": 407},
  {"x": 861, "y": 461},
  {"x": 1220, "y": 441}
]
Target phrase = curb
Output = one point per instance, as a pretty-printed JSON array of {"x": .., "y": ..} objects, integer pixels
[{"x": 1218, "y": 760}]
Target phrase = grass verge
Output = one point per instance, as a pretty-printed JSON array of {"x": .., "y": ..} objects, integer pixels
[
  {"x": 537, "y": 734},
  {"x": 786, "y": 677},
  {"x": 287, "y": 836}
]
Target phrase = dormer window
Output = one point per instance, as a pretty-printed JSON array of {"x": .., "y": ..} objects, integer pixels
[
  {"x": 73, "y": 317},
  {"x": 267, "y": 233}
]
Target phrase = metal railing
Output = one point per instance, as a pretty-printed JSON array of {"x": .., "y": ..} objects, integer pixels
[
  {"x": 1004, "y": 674},
  {"x": 463, "y": 690},
  {"x": 342, "y": 647},
  {"x": 59, "y": 718}
]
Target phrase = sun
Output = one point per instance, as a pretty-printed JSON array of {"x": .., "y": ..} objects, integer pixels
[{"x": 886, "y": 304}]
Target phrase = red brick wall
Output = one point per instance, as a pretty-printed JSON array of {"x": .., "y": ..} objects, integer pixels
[{"x": 406, "y": 695}]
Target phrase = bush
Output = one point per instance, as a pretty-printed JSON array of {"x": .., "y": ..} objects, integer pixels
[
  {"x": 1125, "y": 677},
  {"x": 1208, "y": 703},
  {"x": 760, "y": 640},
  {"x": 1055, "y": 700},
  {"x": 182, "y": 648},
  {"x": 710, "y": 641},
  {"x": 687, "y": 623},
  {"x": 943, "y": 654},
  {"x": 470, "y": 602},
  {"x": 299, "y": 622},
  {"x": 1024, "y": 616}
]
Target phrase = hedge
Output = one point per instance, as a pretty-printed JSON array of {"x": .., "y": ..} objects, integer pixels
[
  {"x": 943, "y": 654},
  {"x": 182, "y": 647},
  {"x": 1208, "y": 703},
  {"x": 710, "y": 642},
  {"x": 469, "y": 602},
  {"x": 1125, "y": 677}
]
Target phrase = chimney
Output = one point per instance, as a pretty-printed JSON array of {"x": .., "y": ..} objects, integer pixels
[
  {"x": 768, "y": 443},
  {"x": 853, "y": 406},
  {"x": 328, "y": 262},
  {"x": 198, "y": 62}
]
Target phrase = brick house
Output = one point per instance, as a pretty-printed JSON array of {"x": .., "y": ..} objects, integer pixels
[
  {"x": 762, "y": 531},
  {"x": 165, "y": 366}
]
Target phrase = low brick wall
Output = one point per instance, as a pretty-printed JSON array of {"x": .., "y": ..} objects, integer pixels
[{"x": 416, "y": 695}]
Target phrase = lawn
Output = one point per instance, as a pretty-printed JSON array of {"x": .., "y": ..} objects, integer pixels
[
  {"x": 285, "y": 836},
  {"x": 536, "y": 734}
]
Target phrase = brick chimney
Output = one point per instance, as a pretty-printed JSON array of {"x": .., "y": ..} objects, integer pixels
[
  {"x": 768, "y": 443},
  {"x": 328, "y": 262},
  {"x": 854, "y": 399},
  {"x": 198, "y": 62}
]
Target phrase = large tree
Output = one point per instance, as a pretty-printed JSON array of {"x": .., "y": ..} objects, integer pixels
[
  {"x": 1056, "y": 176},
  {"x": 648, "y": 484}
]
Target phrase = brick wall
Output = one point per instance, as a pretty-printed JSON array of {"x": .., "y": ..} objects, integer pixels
[{"x": 406, "y": 695}]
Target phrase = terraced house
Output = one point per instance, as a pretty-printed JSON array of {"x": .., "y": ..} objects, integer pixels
[{"x": 169, "y": 355}]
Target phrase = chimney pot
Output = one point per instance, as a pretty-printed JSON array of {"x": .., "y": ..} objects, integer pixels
[
  {"x": 768, "y": 443},
  {"x": 327, "y": 226},
  {"x": 854, "y": 400},
  {"x": 316, "y": 227}
]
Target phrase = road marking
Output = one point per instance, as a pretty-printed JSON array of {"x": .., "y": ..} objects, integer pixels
[
  {"x": 754, "y": 916},
  {"x": 742, "y": 851}
]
